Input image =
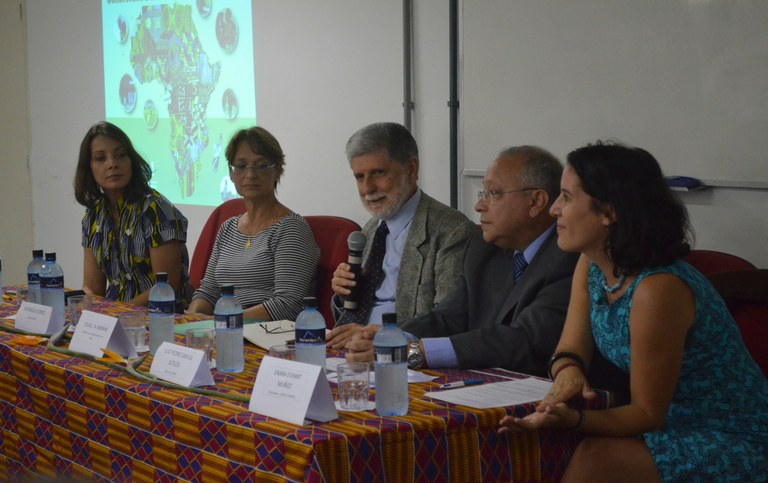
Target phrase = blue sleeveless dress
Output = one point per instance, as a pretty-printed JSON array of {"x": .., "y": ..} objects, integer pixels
[{"x": 717, "y": 425}]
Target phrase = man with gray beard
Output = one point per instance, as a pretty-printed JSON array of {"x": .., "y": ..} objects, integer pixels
[{"x": 424, "y": 239}]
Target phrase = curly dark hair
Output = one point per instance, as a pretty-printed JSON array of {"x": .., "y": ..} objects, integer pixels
[
  {"x": 651, "y": 227},
  {"x": 87, "y": 192}
]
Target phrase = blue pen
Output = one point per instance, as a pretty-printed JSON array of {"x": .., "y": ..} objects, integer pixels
[{"x": 465, "y": 382}]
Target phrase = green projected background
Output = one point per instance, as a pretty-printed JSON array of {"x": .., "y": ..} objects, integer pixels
[{"x": 179, "y": 79}]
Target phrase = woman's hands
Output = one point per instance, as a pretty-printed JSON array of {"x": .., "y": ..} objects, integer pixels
[
  {"x": 552, "y": 411},
  {"x": 553, "y": 416},
  {"x": 569, "y": 382}
]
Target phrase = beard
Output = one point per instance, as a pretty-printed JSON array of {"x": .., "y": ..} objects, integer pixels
[{"x": 396, "y": 200}]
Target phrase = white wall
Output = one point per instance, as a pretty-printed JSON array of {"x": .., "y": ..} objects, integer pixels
[
  {"x": 685, "y": 80},
  {"x": 15, "y": 195},
  {"x": 323, "y": 70}
]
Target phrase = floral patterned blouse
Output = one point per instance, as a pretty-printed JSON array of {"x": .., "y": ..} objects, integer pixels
[{"x": 124, "y": 255}]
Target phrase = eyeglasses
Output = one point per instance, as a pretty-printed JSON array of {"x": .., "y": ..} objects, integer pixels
[
  {"x": 277, "y": 330},
  {"x": 241, "y": 168},
  {"x": 493, "y": 195}
]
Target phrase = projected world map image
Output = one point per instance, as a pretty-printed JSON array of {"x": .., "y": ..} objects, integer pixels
[{"x": 193, "y": 74}]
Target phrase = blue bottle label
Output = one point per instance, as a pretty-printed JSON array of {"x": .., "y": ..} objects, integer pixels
[
  {"x": 52, "y": 282},
  {"x": 390, "y": 355},
  {"x": 234, "y": 321},
  {"x": 33, "y": 278},
  {"x": 310, "y": 336},
  {"x": 161, "y": 307}
]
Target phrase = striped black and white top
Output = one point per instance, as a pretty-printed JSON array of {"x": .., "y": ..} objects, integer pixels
[{"x": 277, "y": 268}]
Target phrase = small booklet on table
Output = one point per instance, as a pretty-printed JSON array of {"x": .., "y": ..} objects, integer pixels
[{"x": 262, "y": 334}]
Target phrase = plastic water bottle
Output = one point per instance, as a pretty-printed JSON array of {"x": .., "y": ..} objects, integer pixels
[
  {"x": 228, "y": 322},
  {"x": 161, "y": 307},
  {"x": 33, "y": 276},
  {"x": 391, "y": 367},
  {"x": 52, "y": 289},
  {"x": 310, "y": 334}
]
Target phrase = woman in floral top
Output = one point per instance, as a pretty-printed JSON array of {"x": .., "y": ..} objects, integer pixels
[{"x": 130, "y": 231}]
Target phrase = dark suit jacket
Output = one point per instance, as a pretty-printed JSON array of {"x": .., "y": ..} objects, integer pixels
[{"x": 493, "y": 322}]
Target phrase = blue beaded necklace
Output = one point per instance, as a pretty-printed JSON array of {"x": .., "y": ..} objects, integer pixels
[{"x": 612, "y": 288}]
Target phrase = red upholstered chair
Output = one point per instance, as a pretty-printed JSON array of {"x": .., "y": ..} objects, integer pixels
[
  {"x": 710, "y": 261},
  {"x": 745, "y": 290},
  {"x": 331, "y": 234},
  {"x": 204, "y": 246}
]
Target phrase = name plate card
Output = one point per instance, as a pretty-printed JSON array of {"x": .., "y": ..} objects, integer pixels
[
  {"x": 181, "y": 365},
  {"x": 292, "y": 391},
  {"x": 96, "y": 331},
  {"x": 35, "y": 318}
]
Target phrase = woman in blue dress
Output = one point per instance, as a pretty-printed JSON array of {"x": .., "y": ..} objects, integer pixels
[{"x": 698, "y": 409}]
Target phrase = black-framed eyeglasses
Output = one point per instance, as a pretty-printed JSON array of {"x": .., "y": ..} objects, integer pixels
[
  {"x": 241, "y": 168},
  {"x": 493, "y": 195},
  {"x": 276, "y": 330}
]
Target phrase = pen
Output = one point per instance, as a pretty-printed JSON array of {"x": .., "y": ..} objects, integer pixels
[{"x": 465, "y": 382}]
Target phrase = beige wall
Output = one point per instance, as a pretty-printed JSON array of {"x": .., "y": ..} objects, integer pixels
[{"x": 15, "y": 189}]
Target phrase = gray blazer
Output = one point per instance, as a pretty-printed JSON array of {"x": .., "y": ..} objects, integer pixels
[
  {"x": 494, "y": 322},
  {"x": 432, "y": 256}
]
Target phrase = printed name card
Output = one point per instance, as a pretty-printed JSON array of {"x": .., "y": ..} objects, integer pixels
[
  {"x": 292, "y": 391},
  {"x": 181, "y": 365},
  {"x": 36, "y": 318},
  {"x": 96, "y": 331}
]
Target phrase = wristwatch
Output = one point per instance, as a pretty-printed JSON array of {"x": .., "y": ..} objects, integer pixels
[{"x": 415, "y": 357}]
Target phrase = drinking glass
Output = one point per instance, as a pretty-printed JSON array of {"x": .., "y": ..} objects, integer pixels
[
  {"x": 353, "y": 383},
  {"x": 135, "y": 325},
  {"x": 22, "y": 295},
  {"x": 283, "y": 351},
  {"x": 76, "y": 304},
  {"x": 202, "y": 339}
]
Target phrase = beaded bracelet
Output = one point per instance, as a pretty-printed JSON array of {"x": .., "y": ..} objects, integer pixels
[
  {"x": 580, "y": 423},
  {"x": 565, "y": 365},
  {"x": 562, "y": 355}
]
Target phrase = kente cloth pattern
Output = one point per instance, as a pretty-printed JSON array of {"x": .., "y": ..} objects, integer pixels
[
  {"x": 373, "y": 275},
  {"x": 124, "y": 256},
  {"x": 63, "y": 415},
  {"x": 717, "y": 423}
]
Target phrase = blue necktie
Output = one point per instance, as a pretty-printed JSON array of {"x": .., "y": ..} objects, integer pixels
[
  {"x": 373, "y": 275},
  {"x": 519, "y": 265}
]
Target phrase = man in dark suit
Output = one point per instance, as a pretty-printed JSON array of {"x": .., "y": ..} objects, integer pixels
[
  {"x": 508, "y": 306},
  {"x": 425, "y": 239}
]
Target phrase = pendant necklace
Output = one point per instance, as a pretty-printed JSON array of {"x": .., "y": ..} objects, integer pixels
[
  {"x": 612, "y": 288},
  {"x": 247, "y": 243}
]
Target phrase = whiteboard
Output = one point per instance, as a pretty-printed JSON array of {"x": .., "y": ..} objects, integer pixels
[{"x": 685, "y": 79}]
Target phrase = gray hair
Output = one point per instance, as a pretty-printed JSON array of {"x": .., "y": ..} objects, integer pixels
[
  {"x": 392, "y": 138},
  {"x": 540, "y": 170}
]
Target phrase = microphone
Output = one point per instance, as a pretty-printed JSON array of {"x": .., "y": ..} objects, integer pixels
[{"x": 356, "y": 242}]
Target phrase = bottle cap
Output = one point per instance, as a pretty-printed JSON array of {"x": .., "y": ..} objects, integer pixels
[
  {"x": 161, "y": 277},
  {"x": 37, "y": 254},
  {"x": 389, "y": 318},
  {"x": 310, "y": 302},
  {"x": 227, "y": 290},
  {"x": 50, "y": 257}
]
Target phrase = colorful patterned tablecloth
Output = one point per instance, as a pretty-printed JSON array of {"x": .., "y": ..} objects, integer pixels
[{"x": 63, "y": 415}]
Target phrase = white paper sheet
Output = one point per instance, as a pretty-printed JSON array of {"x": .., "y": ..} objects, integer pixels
[
  {"x": 495, "y": 394},
  {"x": 413, "y": 376}
]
